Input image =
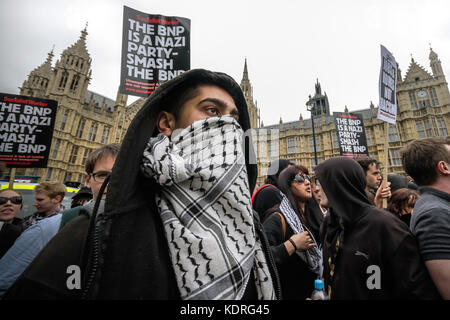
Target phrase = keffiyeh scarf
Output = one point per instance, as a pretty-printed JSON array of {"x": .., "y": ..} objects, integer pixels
[
  {"x": 206, "y": 211},
  {"x": 312, "y": 256}
]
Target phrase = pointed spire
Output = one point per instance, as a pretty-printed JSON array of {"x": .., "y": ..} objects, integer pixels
[
  {"x": 371, "y": 105},
  {"x": 246, "y": 85},
  {"x": 318, "y": 88},
  {"x": 346, "y": 109},
  {"x": 245, "y": 75},
  {"x": 79, "y": 48},
  {"x": 50, "y": 55},
  {"x": 45, "y": 69},
  {"x": 433, "y": 55},
  {"x": 399, "y": 74},
  {"x": 435, "y": 63},
  {"x": 281, "y": 121},
  {"x": 84, "y": 32}
]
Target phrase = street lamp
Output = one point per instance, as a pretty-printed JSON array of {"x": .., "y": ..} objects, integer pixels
[{"x": 311, "y": 106}]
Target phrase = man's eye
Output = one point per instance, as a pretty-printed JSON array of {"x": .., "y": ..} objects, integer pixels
[{"x": 213, "y": 111}]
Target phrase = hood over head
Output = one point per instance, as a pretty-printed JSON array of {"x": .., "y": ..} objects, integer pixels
[
  {"x": 399, "y": 181},
  {"x": 344, "y": 181},
  {"x": 127, "y": 184},
  {"x": 83, "y": 192},
  {"x": 281, "y": 164}
]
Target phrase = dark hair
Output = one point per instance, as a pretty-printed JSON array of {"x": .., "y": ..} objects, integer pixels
[
  {"x": 401, "y": 199},
  {"x": 281, "y": 164},
  {"x": 111, "y": 150},
  {"x": 420, "y": 158},
  {"x": 190, "y": 89},
  {"x": 284, "y": 184},
  {"x": 365, "y": 162}
]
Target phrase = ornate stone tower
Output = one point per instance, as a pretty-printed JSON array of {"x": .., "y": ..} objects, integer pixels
[
  {"x": 319, "y": 101},
  {"x": 435, "y": 64},
  {"x": 423, "y": 101},
  {"x": 85, "y": 120},
  {"x": 72, "y": 72},
  {"x": 248, "y": 94}
]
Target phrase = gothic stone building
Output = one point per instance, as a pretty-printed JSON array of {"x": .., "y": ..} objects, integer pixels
[
  {"x": 86, "y": 120},
  {"x": 423, "y": 111}
]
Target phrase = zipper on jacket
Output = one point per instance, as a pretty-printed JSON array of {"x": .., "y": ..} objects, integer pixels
[
  {"x": 93, "y": 270},
  {"x": 94, "y": 251}
]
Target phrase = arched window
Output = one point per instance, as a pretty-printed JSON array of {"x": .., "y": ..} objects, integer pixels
[
  {"x": 63, "y": 81},
  {"x": 93, "y": 132},
  {"x": 80, "y": 128},
  {"x": 74, "y": 84},
  {"x": 64, "y": 120}
]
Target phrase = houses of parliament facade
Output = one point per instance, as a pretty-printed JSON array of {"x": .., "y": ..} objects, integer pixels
[{"x": 87, "y": 120}]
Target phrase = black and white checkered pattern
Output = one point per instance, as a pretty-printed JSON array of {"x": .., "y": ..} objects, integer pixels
[
  {"x": 312, "y": 256},
  {"x": 205, "y": 207}
]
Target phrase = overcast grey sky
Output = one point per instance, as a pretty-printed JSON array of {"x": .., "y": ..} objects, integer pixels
[{"x": 288, "y": 44}]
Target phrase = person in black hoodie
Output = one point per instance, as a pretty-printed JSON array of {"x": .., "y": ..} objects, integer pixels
[
  {"x": 367, "y": 252},
  {"x": 269, "y": 195},
  {"x": 177, "y": 222},
  {"x": 292, "y": 228}
]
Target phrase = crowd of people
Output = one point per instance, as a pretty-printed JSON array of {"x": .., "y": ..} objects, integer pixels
[{"x": 174, "y": 213}]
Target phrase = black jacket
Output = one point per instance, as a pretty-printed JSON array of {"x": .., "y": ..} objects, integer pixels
[
  {"x": 374, "y": 254},
  {"x": 270, "y": 196},
  {"x": 8, "y": 235},
  {"x": 125, "y": 255},
  {"x": 297, "y": 280}
]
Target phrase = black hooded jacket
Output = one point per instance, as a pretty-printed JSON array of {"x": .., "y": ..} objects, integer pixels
[
  {"x": 269, "y": 196},
  {"x": 374, "y": 254},
  {"x": 126, "y": 255}
]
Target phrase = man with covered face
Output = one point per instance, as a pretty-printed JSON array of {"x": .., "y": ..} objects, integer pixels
[
  {"x": 178, "y": 222},
  {"x": 368, "y": 253}
]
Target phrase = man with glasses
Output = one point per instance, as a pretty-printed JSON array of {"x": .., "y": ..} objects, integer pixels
[{"x": 98, "y": 167}]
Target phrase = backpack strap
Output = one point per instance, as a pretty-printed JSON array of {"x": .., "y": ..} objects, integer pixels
[
  {"x": 257, "y": 191},
  {"x": 283, "y": 223}
]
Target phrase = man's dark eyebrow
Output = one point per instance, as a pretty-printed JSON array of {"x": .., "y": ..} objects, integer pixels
[{"x": 221, "y": 104}]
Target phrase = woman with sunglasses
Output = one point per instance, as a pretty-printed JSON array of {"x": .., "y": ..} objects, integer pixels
[
  {"x": 292, "y": 228},
  {"x": 10, "y": 223}
]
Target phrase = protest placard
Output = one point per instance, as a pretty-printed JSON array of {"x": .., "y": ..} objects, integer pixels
[
  {"x": 26, "y": 130},
  {"x": 387, "y": 109},
  {"x": 350, "y": 133},
  {"x": 155, "y": 49}
]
